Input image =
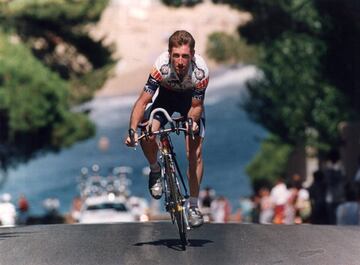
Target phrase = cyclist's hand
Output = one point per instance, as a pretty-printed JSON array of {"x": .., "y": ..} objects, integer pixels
[
  {"x": 132, "y": 139},
  {"x": 195, "y": 127}
]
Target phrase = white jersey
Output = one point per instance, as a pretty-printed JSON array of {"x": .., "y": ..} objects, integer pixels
[{"x": 163, "y": 75}]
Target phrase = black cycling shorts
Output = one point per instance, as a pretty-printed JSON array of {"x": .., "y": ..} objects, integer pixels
[{"x": 173, "y": 101}]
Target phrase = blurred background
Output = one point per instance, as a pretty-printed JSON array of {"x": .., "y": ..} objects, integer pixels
[{"x": 283, "y": 103}]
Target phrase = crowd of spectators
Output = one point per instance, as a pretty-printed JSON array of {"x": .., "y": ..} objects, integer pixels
[
  {"x": 12, "y": 214},
  {"x": 332, "y": 199}
]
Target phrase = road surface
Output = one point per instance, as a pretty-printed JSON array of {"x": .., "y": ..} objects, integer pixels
[{"x": 157, "y": 243}]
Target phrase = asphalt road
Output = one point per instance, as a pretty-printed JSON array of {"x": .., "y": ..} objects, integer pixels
[{"x": 157, "y": 243}]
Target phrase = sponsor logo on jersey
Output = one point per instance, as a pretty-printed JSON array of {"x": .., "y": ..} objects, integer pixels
[
  {"x": 203, "y": 84},
  {"x": 199, "y": 73},
  {"x": 165, "y": 69},
  {"x": 156, "y": 74}
]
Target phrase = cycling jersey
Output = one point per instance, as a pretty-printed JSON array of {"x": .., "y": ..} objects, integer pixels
[
  {"x": 173, "y": 94},
  {"x": 163, "y": 75}
]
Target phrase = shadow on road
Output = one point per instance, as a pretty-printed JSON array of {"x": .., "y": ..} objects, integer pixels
[{"x": 175, "y": 244}]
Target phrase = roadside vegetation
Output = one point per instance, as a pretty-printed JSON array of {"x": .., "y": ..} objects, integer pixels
[
  {"x": 309, "y": 59},
  {"x": 48, "y": 63},
  {"x": 230, "y": 49}
]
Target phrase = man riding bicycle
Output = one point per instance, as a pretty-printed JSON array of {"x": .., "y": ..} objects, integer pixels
[{"x": 177, "y": 83}]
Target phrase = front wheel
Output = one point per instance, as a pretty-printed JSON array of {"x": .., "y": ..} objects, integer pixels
[
  {"x": 177, "y": 203},
  {"x": 181, "y": 224}
]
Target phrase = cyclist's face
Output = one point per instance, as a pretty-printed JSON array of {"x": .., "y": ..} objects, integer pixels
[{"x": 180, "y": 59}]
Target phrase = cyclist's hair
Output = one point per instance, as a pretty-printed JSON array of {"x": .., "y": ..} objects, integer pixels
[{"x": 181, "y": 37}]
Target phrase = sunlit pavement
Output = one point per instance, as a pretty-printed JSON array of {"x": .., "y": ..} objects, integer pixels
[{"x": 157, "y": 243}]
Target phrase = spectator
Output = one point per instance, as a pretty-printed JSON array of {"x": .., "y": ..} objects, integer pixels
[
  {"x": 357, "y": 174},
  {"x": 266, "y": 206},
  {"x": 334, "y": 179},
  {"x": 303, "y": 206},
  {"x": 23, "y": 210},
  {"x": 318, "y": 199},
  {"x": 296, "y": 181},
  {"x": 206, "y": 198},
  {"x": 52, "y": 215},
  {"x": 247, "y": 210},
  {"x": 298, "y": 206},
  {"x": 348, "y": 213},
  {"x": 220, "y": 210},
  {"x": 290, "y": 206},
  {"x": 76, "y": 209},
  {"x": 255, "y": 209},
  {"x": 279, "y": 196},
  {"x": 7, "y": 211}
]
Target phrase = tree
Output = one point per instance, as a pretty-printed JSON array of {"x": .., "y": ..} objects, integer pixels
[
  {"x": 56, "y": 32},
  {"x": 47, "y": 63},
  {"x": 270, "y": 162},
  {"x": 303, "y": 103},
  {"x": 309, "y": 57},
  {"x": 226, "y": 48}
]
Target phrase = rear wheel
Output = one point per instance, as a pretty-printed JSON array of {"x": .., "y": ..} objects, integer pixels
[{"x": 176, "y": 202}]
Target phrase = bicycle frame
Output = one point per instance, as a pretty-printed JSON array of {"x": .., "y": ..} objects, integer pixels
[
  {"x": 168, "y": 156},
  {"x": 174, "y": 199},
  {"x": 170, "y": 172}
]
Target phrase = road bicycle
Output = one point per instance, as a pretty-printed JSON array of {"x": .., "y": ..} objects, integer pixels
[{"x": 174, "y": 186}]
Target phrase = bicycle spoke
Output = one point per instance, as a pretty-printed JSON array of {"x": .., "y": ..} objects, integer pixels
[{"x": 176, "y": 201}]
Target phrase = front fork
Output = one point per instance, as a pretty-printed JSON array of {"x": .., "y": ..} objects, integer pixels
[{"x": 179, "y": 206}]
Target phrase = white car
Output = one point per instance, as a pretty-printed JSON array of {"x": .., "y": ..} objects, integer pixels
[{"x": 106, "y": 209}]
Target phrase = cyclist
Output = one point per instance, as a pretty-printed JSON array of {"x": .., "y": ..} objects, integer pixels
[{"x": 177, "y": 83}]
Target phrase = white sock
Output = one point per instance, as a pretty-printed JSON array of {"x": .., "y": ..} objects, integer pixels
[
  {"x": 193, "y": 202},
  {"x": 155, "y": 167}
]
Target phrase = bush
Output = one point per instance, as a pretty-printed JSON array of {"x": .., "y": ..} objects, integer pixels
[
  {"x": 34, "y": 106},
  {"x": 270, "y": 162},
  {"x": 226, "y": 48}
]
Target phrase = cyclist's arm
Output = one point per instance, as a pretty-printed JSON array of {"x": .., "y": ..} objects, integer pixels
[
  {"x": 197, "y": 107},
  {"x": 197, "y": 102},
  {"x": 145, "y": 97},
  {"x": 137, "y": 113}
]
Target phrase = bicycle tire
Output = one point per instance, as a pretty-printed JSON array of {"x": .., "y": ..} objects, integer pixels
[{"x": 175, "y": 197}]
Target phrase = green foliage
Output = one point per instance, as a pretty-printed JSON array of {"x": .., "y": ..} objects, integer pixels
[
  {"x": 34, "y": 106},
  {"x": 47, "y": 62},
  {"x": 55, "y": 30},
  {"x": 309, "y": 59},
  {"x": 302, "y": 102},
  {"x": 271, "y": 18},
  {"x": 32, "y": 95},
  {"x": 57, "y": 11},
  {"x": 83, "y": 89},
  {"x": 294, "y": 94},
  {"x": 75, "y": 127},
  {"x": 226, "y": 48},
  {"x": 270, "y": 162},
  {"x": 342, "y": 60}
]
